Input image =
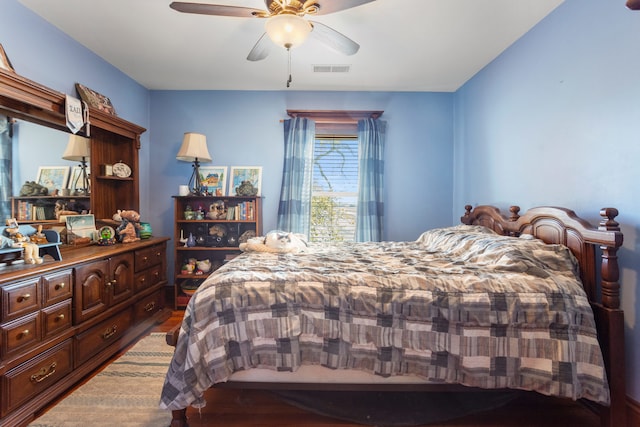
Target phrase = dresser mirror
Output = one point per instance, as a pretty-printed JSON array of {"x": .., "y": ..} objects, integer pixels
[
  {"x": 29, "y": 151},
  {"x": 113, "y": 139}
]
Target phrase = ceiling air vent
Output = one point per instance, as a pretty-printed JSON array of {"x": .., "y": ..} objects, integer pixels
[{"x": 331, "y": 68}]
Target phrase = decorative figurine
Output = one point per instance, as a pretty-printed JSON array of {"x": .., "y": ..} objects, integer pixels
[{"x": 246, "y": 188}]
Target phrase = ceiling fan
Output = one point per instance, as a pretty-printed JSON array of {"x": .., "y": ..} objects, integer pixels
[{"x": 285, "y": 24}]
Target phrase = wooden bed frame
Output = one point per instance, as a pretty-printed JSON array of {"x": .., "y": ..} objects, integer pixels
[{"x": 601, "y": 283}]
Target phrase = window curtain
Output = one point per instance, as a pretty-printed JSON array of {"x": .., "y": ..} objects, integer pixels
[
  {"x": 370, "y": 212},
  {"x": 294, "y": 209},
  {"x": 6, "y": 183}
]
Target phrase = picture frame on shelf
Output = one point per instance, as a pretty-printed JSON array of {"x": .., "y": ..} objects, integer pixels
[
  {"x": 240, "y": 174},
  {"x": 54, "y": 178},
  {"x": 214, "y": 178},
  {"x": 5, "y": 64},
  {"x": 95, "y": 99}
]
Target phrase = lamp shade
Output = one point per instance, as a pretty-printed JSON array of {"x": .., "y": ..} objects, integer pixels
[
  {"x": 194, "y": 147},
  {"x": 78, "y": 148},
  {"x": 287, "y": 30}
]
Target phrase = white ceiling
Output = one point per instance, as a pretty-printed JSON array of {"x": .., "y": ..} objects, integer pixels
[{"x": 406, "y": 45}]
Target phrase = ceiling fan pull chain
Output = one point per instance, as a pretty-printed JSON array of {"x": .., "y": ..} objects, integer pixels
[{"x": 289, "y": 67}]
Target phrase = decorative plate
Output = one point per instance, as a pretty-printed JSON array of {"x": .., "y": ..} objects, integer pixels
[{"x": 121, "y": 170}]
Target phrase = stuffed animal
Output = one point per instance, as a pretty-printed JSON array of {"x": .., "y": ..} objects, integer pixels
[
  {"x": 31, "y": 250},
  {"x": 284, "y": 241},
  {"x": 129, "y": 229},
  {"x": 38, "y": 237}
]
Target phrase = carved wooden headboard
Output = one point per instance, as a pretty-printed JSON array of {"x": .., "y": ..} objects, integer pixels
[{"x": 560, "y": 225}]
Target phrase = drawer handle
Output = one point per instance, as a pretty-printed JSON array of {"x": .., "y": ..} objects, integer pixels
[
  {"x": 150, "y": 306},
  {"x": 59, "y": 286},
  {"x": 44, "y": 373},
  {"x": 145, "y": 259},
  {"x": 158, "y": 254},
  {"x": 24, "y": 334},
  {"x": 23, "y": 298},
  {"x": 142, "y": 280},
  {"x": 110, "y": 332},
  {"x": 156, "y": 274},
  {"x": 59, "y": 317}
]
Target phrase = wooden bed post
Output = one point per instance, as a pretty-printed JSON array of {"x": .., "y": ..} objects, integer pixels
[
  {"x": 610, "y": 271},
  {"x": 179, "y": 418},
  {"x": 611, "y": 318}
]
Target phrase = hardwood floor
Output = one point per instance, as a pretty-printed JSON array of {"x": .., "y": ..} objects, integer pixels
[{"x": 235, "y": 408}]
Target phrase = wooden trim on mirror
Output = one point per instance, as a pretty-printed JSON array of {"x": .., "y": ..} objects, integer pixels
[
  {"x": 633, "y": 4},
  {"x": 25, "y": 99}
]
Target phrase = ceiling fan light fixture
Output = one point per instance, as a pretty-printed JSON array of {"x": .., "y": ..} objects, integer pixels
[{"x": 287, "y": 30}]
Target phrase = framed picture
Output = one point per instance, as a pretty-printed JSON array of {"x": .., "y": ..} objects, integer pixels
[
  {"x": 5, "y": 64},
  {"x": 95, "y": 99},
  {"x": 215, "y": 179},
  {"x": 75, "y": 180},
  {"x": 80, "y": 226},
  {"x": 55, "y": 178},
  {"x": 240, "y": 174}
]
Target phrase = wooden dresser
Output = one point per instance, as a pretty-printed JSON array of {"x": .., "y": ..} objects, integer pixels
[{"x": 61, "y": 320}]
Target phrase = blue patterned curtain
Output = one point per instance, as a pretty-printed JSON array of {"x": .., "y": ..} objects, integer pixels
[
  {"x": 294, "y": 209},
  {"x": 370, "y": 213},
  {"x": 6, "y": 183}
]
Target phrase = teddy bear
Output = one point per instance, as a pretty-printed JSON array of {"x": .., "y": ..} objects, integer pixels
[
  {"x": 129, "y": 229},
  {"x": 31, "y": 250}
]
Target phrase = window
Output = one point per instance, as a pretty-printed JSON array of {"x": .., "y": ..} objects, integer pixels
[
  {"x": 334, "y": 192},
  {"x": 321, "y": 193}
]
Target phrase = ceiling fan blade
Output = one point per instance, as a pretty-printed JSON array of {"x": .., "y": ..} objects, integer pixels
[
  {"x": 331, "y": 6},
  {"x": 216, "y": 9},
  {"x": 333, "y": 39},
  {"x": 261, "y": 49}
]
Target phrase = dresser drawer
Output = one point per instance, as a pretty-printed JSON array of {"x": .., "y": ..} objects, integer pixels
[
  {"x": 56, "y": 319},
  {"x": 148, "y": 306},
  {"x": 102, "y": 335},
  {"x": 148, "y": 278},
  {"x": 27, "y": 380},
  {"x": 20, "y": 298},
  {"x": 145, "y": 258},
  {"x": 56, "y": 287},
  {"x": 20, "y": 334}
]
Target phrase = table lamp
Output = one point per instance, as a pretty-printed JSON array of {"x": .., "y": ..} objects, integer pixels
[
  {"x": 79, "y": 150},
  {"x": 194, "y": 149}
]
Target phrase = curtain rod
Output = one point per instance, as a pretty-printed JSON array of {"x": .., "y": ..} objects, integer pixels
[{"x": 335, "y": 116}]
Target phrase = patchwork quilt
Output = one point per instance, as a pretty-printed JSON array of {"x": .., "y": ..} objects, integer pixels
[{"x": 459, "y": 305}]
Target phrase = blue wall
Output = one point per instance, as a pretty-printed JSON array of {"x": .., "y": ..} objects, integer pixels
[
  {"x": 555, "y": 120},
  {"x": 566, "y": 88},
  {"x": 244, "y": 129}
]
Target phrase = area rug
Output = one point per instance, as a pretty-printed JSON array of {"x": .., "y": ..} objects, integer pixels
[{"x": 126, "y": 393}]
